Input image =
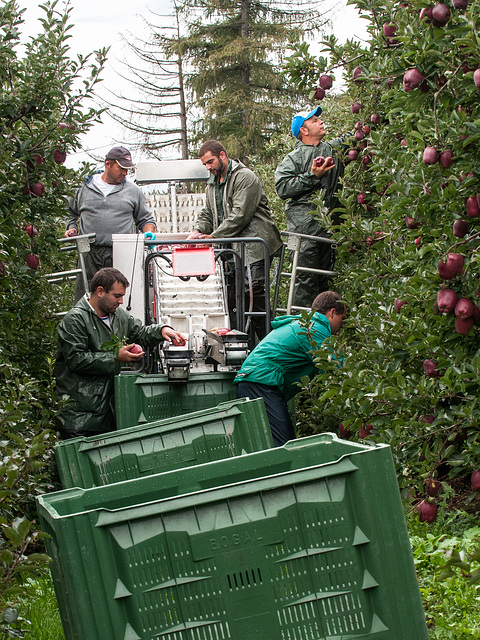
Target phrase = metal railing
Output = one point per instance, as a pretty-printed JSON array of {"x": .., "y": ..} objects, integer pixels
[{"x": 294, "y": 241}]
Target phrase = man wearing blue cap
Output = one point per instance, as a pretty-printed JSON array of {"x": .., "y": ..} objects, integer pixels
[{"x": 298, "y": 180}]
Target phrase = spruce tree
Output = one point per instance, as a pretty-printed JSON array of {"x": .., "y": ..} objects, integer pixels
[{"x": 236, "y": 50}]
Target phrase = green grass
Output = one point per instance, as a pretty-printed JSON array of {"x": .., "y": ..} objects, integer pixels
[
  {"x": 452, "y": 605},
  {"x": 38, "y": 610}
]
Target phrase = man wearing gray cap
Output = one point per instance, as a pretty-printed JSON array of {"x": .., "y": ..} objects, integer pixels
[
  {"x": 107, "y": 203},
  {"x": 298, "y": 180}
]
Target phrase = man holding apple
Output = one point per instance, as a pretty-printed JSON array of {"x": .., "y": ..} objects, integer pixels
[
  {"x": 94, "y": 339},
  {"x": 312, "y": 166}
]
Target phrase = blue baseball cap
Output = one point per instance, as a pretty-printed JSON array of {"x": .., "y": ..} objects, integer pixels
[{"x": 299, "y": 119}]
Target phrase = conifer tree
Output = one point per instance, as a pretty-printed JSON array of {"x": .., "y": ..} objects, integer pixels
[{"x": 236, "y": 49}]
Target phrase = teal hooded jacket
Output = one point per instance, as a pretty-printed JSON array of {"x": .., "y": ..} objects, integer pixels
[{"x": 285, "y": 355}]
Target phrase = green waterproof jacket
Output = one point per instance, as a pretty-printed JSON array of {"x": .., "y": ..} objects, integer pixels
[
  {"x": 246, "y": 212},
  {"x": 295, "y": 183},
  {"x": 285, "y": 355},
  {"x": 85, "y": 373}
]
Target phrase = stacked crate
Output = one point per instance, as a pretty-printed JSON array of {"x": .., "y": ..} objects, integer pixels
[{"x": 193, "y": 527}]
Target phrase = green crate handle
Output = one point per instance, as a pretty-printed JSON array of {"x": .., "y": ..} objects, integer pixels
[{"x": 208, "y": 495}]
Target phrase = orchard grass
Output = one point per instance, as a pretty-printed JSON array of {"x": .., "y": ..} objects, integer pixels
[
  {"x": 38, "y": 608},
  {"x": 451, "y": 602}
]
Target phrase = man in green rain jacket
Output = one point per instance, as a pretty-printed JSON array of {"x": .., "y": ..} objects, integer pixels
[
  {"x": 298, "y": 180},
  {"x": 84, "y": 370},
  {"x": 283, "y": 357},
  {"x": 236, "y": 207}
]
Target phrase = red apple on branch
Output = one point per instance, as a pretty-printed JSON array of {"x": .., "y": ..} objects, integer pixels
[
  {"x": 446, "y": 300},
  {"x": 430, "y": 155},
  {"x": 446, "y": 158},
  {"x": 460, "y": 228},
  {"x": 432, "y": 486},
  {"x": 32, "y": 261},
  {"x": 430, "y": 368},
  {"x": 463, "y": 325},
  {"x": 464, "y": 308},
  {"x": 476, "y": 78},
  {"x": 412, "y": 79},
  {"x": 440, "y": 14},
  {"x": 473, "y": 210},
  {"x": 325, "y": 81},
  {"x": 31, "y": 230}
]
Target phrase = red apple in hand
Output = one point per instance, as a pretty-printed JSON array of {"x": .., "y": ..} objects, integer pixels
[{"x": 136, "y": 349}]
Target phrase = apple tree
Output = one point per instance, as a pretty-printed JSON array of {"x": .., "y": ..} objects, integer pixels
[
  {"x": 407, "y": 259},
  {"x": 43, "y": 110}
]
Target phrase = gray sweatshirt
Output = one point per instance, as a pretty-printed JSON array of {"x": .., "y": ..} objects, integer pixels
[{"x": 123, "y": 210}]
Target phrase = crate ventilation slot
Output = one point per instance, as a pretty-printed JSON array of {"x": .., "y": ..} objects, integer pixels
[{"x": 244, "y": 579}]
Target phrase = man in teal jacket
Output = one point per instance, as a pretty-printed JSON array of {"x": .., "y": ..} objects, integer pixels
[
  {"x": 283, "y": 357},
  {"x": 298, "y": 180},
  {"x": 85, "y": 366}
]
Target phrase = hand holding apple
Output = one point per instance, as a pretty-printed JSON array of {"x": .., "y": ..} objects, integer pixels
[
  {"x": 170, "y": 335},
  {"x": 130, "y": 353},
  {"x": 325, "y": 166}
]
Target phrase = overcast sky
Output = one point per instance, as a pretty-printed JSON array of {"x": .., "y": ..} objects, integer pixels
[{"x": 101, "y": 23}]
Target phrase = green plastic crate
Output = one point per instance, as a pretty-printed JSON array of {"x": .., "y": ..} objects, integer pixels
[
  {"x": 141, "y": 398},
  {"x": 231, "y": 429},
  {"x": 303, "y": 542}
]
